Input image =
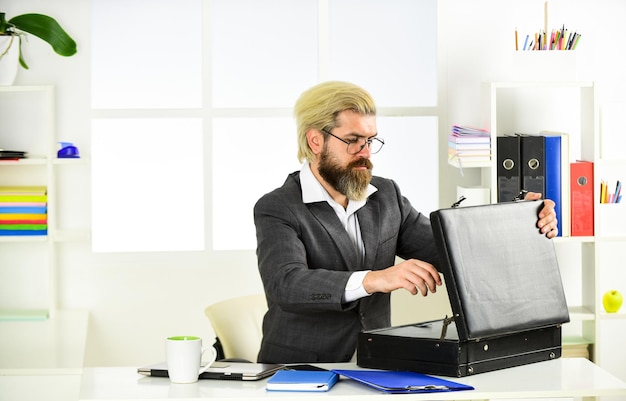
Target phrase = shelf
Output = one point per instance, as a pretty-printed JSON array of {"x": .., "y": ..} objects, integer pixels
[
  {"x": 588, "y": 262},
  {"x": 469, "y": 164},
  {"x": 576, "y": 340},
  {"x": 17, "y": 315},
  {"x": 72, "y": 161},
  {"x": 612, "y": 316},
  {"x": 73, "y": 235},
  {"x": 574, "y": 239},
  {"x": 23, "y": 238},
  {"x": 580, "y": 313},
  {"x": 30, "y": 126},
  {"x": 25, "y": 88}
]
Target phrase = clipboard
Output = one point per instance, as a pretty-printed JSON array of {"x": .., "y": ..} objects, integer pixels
[{"x": 402, "y": 382}]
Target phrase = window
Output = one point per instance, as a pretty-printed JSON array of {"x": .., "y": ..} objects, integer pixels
[{"x": 207, "y": 105}]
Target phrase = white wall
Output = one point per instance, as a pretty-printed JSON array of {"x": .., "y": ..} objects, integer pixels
[{"x": 135, "y": 301}]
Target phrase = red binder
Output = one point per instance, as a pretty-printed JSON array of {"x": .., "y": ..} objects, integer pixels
[{"x": 581, "y": 206}]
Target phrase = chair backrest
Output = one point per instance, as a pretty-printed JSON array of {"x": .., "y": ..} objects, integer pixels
[{"x": 237, "y": 322}]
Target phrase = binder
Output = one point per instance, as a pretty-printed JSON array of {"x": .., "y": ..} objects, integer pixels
[
  {"x": 553, "y": 176},
  {"x": 402, "y": 382},
  {"x": 533, "y": 159},
  {"x": 581, "y": 198},
  {"x": 508, "y": 168}
]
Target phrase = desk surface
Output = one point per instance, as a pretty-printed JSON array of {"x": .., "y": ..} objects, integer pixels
[
  {"x": 55, "y": 345},
  {"x": 565, "y": 377}
]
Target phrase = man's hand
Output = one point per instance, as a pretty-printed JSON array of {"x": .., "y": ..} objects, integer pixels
[
  {"x": 412, "y": 275},
  {"x": 547, "y": 216}
]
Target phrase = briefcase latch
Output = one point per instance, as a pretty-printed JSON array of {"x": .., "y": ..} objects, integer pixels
[{"x": 444, "y": 327}]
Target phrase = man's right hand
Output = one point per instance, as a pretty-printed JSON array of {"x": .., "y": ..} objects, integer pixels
[{"x": 413, "y": 275}]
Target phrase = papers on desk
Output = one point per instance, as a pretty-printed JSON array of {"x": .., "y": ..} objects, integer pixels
[
  {"x": 302, "y": 380},
  {"x": 402, "y": 382}
]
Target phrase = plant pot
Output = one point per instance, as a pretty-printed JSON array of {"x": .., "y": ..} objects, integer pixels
[{"x": 9, "y": 59}]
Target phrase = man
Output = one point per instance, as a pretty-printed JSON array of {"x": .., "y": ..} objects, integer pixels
[{"x": 328, "y": 238}]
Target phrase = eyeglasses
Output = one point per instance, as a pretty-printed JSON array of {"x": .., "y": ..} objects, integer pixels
[{"x": 357, "y": 144}]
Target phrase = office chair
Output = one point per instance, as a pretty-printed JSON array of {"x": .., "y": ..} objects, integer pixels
[{"x": 237, "y": 324}]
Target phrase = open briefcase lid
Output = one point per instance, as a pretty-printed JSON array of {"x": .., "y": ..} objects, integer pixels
[{"x": 501, "y": 273}]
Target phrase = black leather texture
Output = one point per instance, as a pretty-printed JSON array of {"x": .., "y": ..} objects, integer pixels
[{"x": 501, "y": 273}]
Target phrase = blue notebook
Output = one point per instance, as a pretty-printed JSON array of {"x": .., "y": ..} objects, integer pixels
[
  {"x": 302, "y": 380},
  {"x": 399, "y": 382}
]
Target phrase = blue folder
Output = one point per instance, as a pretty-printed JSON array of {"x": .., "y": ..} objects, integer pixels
[
  {"x": 554, "y": 175},
  {"x": 402, "y": 382},
  {"x": 302, "y": 380}
]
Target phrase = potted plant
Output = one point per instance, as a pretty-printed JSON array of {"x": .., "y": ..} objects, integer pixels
[{"x": 42, "y": 26}]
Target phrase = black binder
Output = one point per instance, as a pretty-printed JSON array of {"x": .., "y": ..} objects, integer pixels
[
  {"x": 505, "y": 291},
  {"x": 508, "y": 169},
  {"x": 533, "y": 156}
]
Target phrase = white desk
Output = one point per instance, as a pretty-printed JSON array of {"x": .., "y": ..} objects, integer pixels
[
  {"x": 41, "y": 387},
  {"x": 55, "y": 345},
  {"x": 560, "y": 378}
]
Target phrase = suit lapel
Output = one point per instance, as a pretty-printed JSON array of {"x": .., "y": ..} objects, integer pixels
[{"x": 328, "y": 219}]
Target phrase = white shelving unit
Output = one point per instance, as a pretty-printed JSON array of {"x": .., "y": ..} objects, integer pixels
[
  {"x": 589, "y": 265},
  {"x": 28, "y": 264}
]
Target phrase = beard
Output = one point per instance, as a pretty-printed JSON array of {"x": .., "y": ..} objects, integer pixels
[{"x": 347, "y": 180}]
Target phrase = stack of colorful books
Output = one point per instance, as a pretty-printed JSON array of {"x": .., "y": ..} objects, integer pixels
[
  {"x": 23, "y": 210},
  {"x": 468, "y": 144}
]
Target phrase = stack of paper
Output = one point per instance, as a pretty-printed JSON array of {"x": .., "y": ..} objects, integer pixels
[
  {"x": 23, "y": 210},
  {"x": 467, "y": 144}
]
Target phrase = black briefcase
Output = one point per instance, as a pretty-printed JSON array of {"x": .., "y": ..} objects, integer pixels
[{"x": 505, "y": 292}]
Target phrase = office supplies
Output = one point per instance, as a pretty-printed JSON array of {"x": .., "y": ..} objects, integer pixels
[
  {"x": 525, "y": 42},
  {"x": 402, "y": 382},
  {"x": 533, "y": 159},
  {"x": 581, "y": 198},
  {"x": 11, "y": 154},
  {"x": 68, "y": 151},
  {"x": 302, "y": 380},
  {"x": 220, "y": 370},
  {"x": 508, "y": 167},
  {"x": 505, "y": 291}
]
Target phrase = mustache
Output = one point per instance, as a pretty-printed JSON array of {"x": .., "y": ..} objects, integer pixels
[{"x": 361, "y": 163}]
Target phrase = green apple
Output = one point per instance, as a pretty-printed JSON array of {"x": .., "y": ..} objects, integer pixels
[{"x": 612, "y": 301}]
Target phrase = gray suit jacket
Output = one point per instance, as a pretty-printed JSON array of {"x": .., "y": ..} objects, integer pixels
[{"x": 305, "y": 258}]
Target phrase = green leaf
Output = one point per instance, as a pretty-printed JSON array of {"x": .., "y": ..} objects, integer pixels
[{"x": 48, "y": 30}]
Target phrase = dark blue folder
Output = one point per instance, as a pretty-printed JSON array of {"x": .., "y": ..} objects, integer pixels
[
  {"x": 398, "y": 382},
  {"x": 553, "y": 176}
]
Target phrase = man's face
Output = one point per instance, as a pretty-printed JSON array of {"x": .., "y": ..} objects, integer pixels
[{"x": 348, "y": 174}]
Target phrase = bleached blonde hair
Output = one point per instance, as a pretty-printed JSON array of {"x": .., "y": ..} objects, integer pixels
[{"x": 318, "y": 107}]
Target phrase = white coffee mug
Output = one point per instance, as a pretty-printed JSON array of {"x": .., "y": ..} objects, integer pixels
[{"x": 184, "y": 355}]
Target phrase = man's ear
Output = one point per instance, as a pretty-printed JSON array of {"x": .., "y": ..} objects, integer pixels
[{"x": 315, "y": 140}]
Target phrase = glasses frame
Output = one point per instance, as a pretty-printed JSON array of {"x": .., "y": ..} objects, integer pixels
[{"x": 367, "y": 141}]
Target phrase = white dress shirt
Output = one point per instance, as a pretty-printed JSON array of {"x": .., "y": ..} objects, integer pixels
[{"x": 313, "y": 191}]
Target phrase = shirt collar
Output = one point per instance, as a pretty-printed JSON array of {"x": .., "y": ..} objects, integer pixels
[{"x": 313, "y": 191}]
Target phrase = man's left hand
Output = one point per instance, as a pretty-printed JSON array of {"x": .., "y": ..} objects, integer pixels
[{"x": 547, "y": 216}]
